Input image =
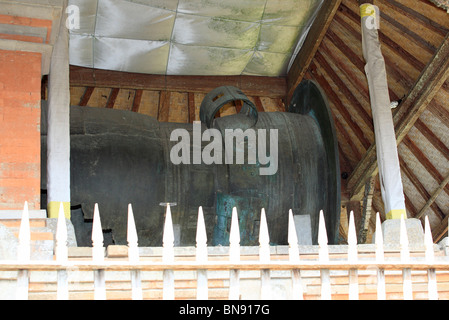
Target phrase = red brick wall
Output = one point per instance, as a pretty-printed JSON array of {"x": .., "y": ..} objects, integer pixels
[{"x": 20, "y": 90}]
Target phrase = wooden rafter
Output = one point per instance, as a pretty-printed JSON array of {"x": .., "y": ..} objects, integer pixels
[
  {"x": 137, "y": 100},
  {"x": 112, "y": 97},
  {"x": 164, "y": 106},
  {"x": 191, "y": 106},
  {"x": 311, "y": 44},
  {"x": 411, "y": 108},
  {"x": 86, "y": 96}
]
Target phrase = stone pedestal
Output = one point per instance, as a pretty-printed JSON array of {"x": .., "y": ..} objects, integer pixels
[
  {"x": 303, "y": 229},
  {"x": 391, "y": 230}
]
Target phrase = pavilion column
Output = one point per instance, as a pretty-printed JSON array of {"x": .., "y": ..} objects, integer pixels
[
  {"x": 386, "y": 146},
  {"x": 58, "y": 137}
]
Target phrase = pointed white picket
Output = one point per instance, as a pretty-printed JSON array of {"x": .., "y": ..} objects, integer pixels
[
  {"x": 133, "y": 246},
  {"x": 61, "y": 253},
  {"x": 264, "y": 257},
  {"x": 379, "y": 242},
  {"x": 168, "y": 256},
  {"x": 352, "y": 258},
  {"x": 97, "y": 237},
  {"x": 322, "y": 239},
  {"x": 168, "y": 238},
  {"x": 234, "y": 238},
  {"x": 428, "y": 241},
  {"x": 201, "y": 238},
  {"x": 293, "y": 255},
  {"x": 264, "y": 239},
  {"x": 323, "y": 256},
  {"x": 133, "y": 256},
  {"x": 201, "y": 257},
  {"x": 352, "y": 240},
  {"x": 234, "y": 257},
  {"x": 293, "y": 250},
  {"x": 98, "y": 256},
  {"x": 430, "y": 258}
]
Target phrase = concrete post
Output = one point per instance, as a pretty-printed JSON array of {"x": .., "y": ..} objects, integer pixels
[
  {"x": 386, "y": 146},
  {"x": 58, "y": 137}
]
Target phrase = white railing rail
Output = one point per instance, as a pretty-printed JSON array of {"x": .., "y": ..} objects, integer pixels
[{"x": 202, "y": 264}]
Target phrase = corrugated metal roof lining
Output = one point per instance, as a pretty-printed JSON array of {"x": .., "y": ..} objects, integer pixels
[{"x": 191, "y": 37}]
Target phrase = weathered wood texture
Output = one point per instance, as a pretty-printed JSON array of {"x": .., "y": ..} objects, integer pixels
[
  {"x": 169, "y": 99},
  {"x": 413, "y": 36}
]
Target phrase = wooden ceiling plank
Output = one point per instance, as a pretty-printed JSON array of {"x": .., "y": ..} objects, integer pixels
[
  {"x": 425, "y": 21},
  {"x": 419, "y": 154},
  {"x": 411, "y": 108},
  {"x": 434, "y": 196},
  {"x": 440, "y": 112},
  {"x": 333, "y": 96},
  {"x": 430, "y": 136},
  {"x": 386, "y": 40},
  {"x": 349, "y": 95},
  {"x": 310, "y": 46},
  {"x": 393, "y": 70},
  {"x": 419, "y": 187}
]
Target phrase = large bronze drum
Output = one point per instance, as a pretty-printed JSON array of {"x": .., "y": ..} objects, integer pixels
[{"x": 120, "y": 157}]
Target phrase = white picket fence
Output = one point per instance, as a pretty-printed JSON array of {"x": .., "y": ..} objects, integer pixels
[{"x": 202, "y": 264}]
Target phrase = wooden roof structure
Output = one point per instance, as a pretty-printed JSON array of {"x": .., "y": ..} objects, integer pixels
[{"x": 415, "y": 41}]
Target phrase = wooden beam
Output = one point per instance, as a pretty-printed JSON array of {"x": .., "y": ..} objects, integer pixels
[
  {"x": 164, "y": 106},
  {"x": 112, "y": 98},
  {"x": 273, "y": 87},
  {"x": 258, "y": 103},
  {"x": 411, "y": 108},
  {"x": 137, "y": 100},
  {"x": 310, "y": 46},
  {"x": 191, "y": 106},
  {"x": 367, "y": 209},
  {"x": 86, "y": 96}
]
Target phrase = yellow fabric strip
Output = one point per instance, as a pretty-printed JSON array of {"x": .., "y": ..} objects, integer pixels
[
  {"x": 396, "y": 214},
  {"x": 367, "y": 9},
  {"x": 53, "y": 209}
]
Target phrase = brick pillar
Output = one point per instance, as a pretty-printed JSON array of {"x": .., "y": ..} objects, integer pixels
[{"x": 20, "y": 96}]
